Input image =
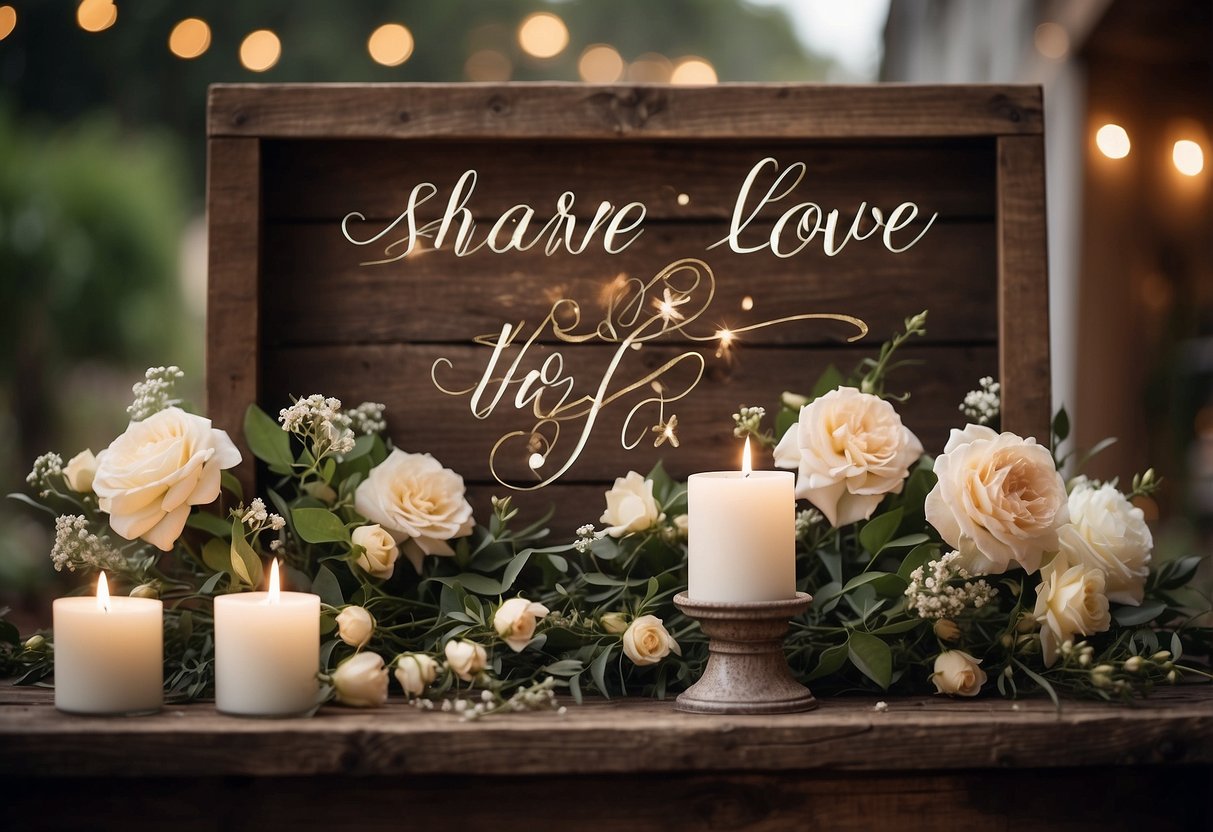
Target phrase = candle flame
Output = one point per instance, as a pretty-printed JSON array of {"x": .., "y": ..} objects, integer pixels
[
  {"x": 103, "y": 593},
  {"x": 745, "y": 459},
  {"x": 274, "y": 588}
]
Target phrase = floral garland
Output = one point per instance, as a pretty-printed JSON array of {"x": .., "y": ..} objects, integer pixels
[{"x": 943, "y": 573}]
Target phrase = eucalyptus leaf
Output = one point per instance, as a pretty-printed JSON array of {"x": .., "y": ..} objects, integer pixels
[
  {"x": 217, "y": 555},
  {"x": 830, "y": 660},
  {"x": 515, "y": 567},
  {"x": 319, "y": 525},
  {"x": 326, "y": 585},
  {"x": 920, "y": 555},
  {"x": 267, "y": 440},
  {"x": 210, "y": 523},
  {"x": 872, "y": 657},
  {"x": 878, "y": 531},
  {"x": 598, "y": 671},
  {"x": 231, "y": 485},
  {"x": 472, "y": 582},
  {"x": 1132, "y": 616}
]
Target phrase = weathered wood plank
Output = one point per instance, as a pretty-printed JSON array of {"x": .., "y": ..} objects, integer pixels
[
  {"x": 313, "y": 281},
  {"x": 421, "y": 418},
  {"x": 1023, "y": 286},
  {"x": 619, "y": 737},
  {"x": 233, "y": 206},
  {"x": 325, "y": 180},
  {"x": 580, "y": 111}
]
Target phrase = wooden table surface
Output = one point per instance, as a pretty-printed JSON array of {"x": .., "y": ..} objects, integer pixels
[{"x": 925, "y": 763}]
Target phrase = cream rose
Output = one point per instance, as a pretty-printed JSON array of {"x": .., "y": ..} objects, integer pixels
[
  {"x": 465, "y": 658},
  {"x": 631, "y": 506},
  {"x": 379, "y": 551},
  {"x": 80, "y": 471},
  {"x": 361, "y": 681},
  {"x": 515, "y": 621},
  {"x": 355, "y": 626},
  {"x": 646, "y": 641},
  {"x": 999, "y": 500},
  {"x": 850, "y": 449},
  {"x": 615, "y": 622},
  {"x": 420, "y": 503},
  {"x": 415, "y": 672},
  {"x": 1070, "y": 601},
  {"x": 1108, "y": 532},
  {"x": 150, "y": 476},
  {"x": 957, "y": 673}
]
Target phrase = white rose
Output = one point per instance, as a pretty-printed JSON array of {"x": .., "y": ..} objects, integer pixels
[
  {"x": 361, "y": 681},
  {"x": 1108, "y": 532},
  {"x": 465, "y": 658},
  {"x": 958, "y": 673},
  {"x": 682, "y": 525},
  {"x": 420, "y": 503},
  {"x": 355, "y": 626},
  {"x": 850, "y": 449},
  {"x": 515, "y": 621},
  {"x": 999, "y": 499},
  {"x": 379, "y": 551},
  {"x": 415, "y": 672},
  {"x": 631, "y": 506},
  {"x": 646, "y": 641},
  {"x": 150, "y": 476},
  {"x": 80, "y": 471},
  {"x": 615, "y": 622},
  {"x": 1070, "y": 601}
]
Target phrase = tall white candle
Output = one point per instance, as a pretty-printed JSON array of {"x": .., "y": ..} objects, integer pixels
[
  {"x": 109, "y": 653},
  {"x": 741, "y": 535},
  {"x": 267, "y": 651}
]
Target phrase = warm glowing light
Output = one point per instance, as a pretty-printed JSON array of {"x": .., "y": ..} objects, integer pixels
[
  {"x": 651, "y": 68},
  {"x": 274, "y": 595},
  {"x": 190, "y": 38},
  {"x": 1188, "y": 157},
  {"x": 1112, "y": 141},
  {"x": 487, "y": 65},
  {"x": 745, "y": 458},
  {"x": 1052, "y": 41},
  {"x": 96, "y": 15},
  {"x": 8, "y": 21},
  {"x": 391, "y": 44},
  {"x": 600, "y": 64},
  {"x": 667, "y": 306},
  {"x": 103, "y": 593},
  {"x": 747, "y": 303},
  {"x": 684, "y": 199},
  {"x": 543, "y": 35},
  {"x": 693, "y": 70},
  {"x": 260, "y": 50},
  {"x": 726, "y": 337},
  {"x": 536, "y": 461}
]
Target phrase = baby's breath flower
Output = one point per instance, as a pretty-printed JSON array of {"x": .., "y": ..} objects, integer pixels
[
  {"x": 748, "y": 421},
  {"x": 806, "y": 520},
  {"x": 367, "y": 418},
  {"x": 257, "y": 518},
  {"x": 983, "y": 406},
  {"x": 48, "y": 465},
  {"x": 942, "y": 590},
  {"x": 155, "y": 392},
  {"x": 76, "y": 546},
  {"x": 320, "y": 424}
]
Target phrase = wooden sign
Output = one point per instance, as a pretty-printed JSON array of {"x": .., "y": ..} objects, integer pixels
[{"x": 549, "y": 284}]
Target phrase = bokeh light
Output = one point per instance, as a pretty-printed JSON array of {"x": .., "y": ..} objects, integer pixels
[
  {"x": 693, "y": 70},
  {"x": 488, "y": 65},
  {"x": 190, "y": 38},
  {"x": 651, "y": 68},
  {"x": 600, "y": 64},
  {"x": 1188, "y": 157},
  {"x": 391, "y": 44},
  {"x": 1112, "y": 141},
  {"x": 543, "y": 35},
  {"x": 260, "y": 50},
  {"x": 96, "y": 15},
  {"x": 1052, "y": 41},
  {"x": 8, "y": 21}
]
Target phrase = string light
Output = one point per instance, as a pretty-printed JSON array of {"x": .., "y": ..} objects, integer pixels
[
  {"x": 543, "y": 35},
  {"x": 1188, "y": 157},
  {"x": 391, "y": 44},
  {"x": 260, "y": 50},
  {"x": 1052, "y": 40},
  {"x": 190, "y": 38},
  {"x": 600, "y": 64},
  {"x": 8, "y": 21},
  {"x": 96, "y": 15},
  {"x": 1112, "y": 141},
  {"x": 693, "y": 70}
]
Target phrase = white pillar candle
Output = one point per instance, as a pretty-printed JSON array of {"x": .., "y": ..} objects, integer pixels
[
  {"x": 109, "y": 653},
  {"x": 741, "y": 536},
  {"x": 267, "y": 651}
]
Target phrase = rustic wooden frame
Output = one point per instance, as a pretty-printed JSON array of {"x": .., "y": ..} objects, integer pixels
[{"x": 242, "y": 116}]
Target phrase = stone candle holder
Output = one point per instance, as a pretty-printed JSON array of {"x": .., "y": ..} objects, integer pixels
[{"x": 747, "y": 671}]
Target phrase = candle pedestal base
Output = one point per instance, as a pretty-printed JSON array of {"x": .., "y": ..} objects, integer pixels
[{"x": 747, "y": 672}]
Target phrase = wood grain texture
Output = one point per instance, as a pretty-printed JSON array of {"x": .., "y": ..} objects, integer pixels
[
  {"x": 1023, "y": 281},
  {"x": 917, "y": 734},
  {"x": 325, "y": 180},
  {"x": 233, "y": 205},
  {"x": 580, "y": 111}
]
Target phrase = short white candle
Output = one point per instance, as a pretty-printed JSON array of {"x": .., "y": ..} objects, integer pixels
[
  {"x": 741, "y": 536},
  {"x": 109, "y": 653},
  {"x": 267, "y": 651}
]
